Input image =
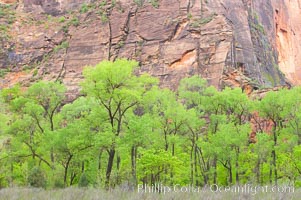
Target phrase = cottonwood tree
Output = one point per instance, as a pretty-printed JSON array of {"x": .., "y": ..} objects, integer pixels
[
  {"x": 117, "y": 91},
  {"x": 72, "y": 140},
  {"x": 139, "y": 135},
  {"x": 4, "y": 140},
  {"x": 297, "y": 165},
  {"x": 35, "y": 112},
  {"x": 275, "y": 107},
  {"x": 171, "y": 116},
  {"x": 260, "y": 153},
  {"x": 192, "y": 92},
  {"x": 229, "y": 108}
]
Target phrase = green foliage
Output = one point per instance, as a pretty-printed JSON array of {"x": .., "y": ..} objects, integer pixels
[
  {"x": 35, "y": 72},
  {"x": 120, "y": 44},
  {"x": 74, "y": 21},
  {"x": 65, "y": 28},
  {"x": 3, "y": 28},
  {"x": 3, "y": 72},
  {"x": 192, "y": 90},
  {"x": 62, "y": 19},
  {"x": 7, "y": 13},
  {"x": 103, "y": 3},
  {"x": 139, "y": 2},
  {"x": 125, "y": 129},
  {"x": 9, "y": 94},
  {"x": 63, "y": 45},
  {"x": 155, "y": 3},
  {"x": 258, "y": 27},
  {"x": 84, "y": 8},
  {"x": 199, "y": 22},
  {"x": 255, "y": 24},
  {"x": 104, "y": 18},
  {"x": 118, "y": 91},
  {"x": 7, "y": 17}
]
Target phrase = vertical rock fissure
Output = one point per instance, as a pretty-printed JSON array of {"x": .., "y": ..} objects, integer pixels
[
  {"x": 126, "y": 30},
  {"x": 199, "y": 64},
  {"x": 63, "y": 68},
  {"x": 110, "y": 34}
]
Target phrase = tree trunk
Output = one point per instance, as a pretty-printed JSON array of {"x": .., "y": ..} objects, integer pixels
[
  {"x": 230, "y": 173},
  {"x": 166, "y": 142},
  {"x": 258, "y": 169},
  {"x": 173, "y": 154},
  {"x": 72, "y": 178},
  {"x": 118, "y": 179},
  {"x": 191, "y": 166},
  {"x": 83, "y": 166},
  {"x": 237, "y": 167},
  {"x": 66, "y": 167},
  {"x": 133, "y": 161},
  {"x": 109, "y": 167},
  {"x": 274, "y": 153},
  {"x": 215, "y": 172},
  {"x": 274, "y": 166},
  {"x": 271, "y": 173},
  {"x": 195, "y": 164},
  {"x": 204, "y": 166},
  {"x": 99, "y": 160}
]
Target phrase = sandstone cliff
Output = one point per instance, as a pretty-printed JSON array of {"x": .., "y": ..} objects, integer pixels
[
  {"x": 237, "y": 43},
  {"x": 287, "y": 21}
]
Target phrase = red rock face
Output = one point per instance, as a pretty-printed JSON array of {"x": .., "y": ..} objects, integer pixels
[
  {"x": 288, "y": 36},
  {"x": 52, "y": 7},
  {"x": 259, "y": 125},
  {"x": 228, "y": 42},
  {"x": 8, "y": 1}
]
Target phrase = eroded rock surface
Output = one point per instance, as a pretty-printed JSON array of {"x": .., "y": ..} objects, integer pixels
[
  {"x": 288, "y": 36},
  {"x": 229, "y": 42}
]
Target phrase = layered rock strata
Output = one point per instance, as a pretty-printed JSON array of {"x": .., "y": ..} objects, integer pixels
[{"x": 236, "y": 43}]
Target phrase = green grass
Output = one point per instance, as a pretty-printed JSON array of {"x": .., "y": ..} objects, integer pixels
[{"x": 116, "y": 194}]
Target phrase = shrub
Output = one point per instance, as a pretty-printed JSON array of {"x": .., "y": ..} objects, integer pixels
[
  {"x": 84, "y": 8},
  {"x": 63, "y": 45},
  {"x": 74, "y": 21},
  {"x": 36, "y": 178},
  {"x": 58, "y": 183},
  {"x": 139, "y": 2},
  {"x": 155, "y": 3},
  {"x": 83, "y": 181},
  {"x": 3, "y": 72},
  {"x": 62, "y": 19}
]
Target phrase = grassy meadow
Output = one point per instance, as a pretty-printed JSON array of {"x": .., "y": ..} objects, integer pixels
[{"x": 73, "y": 193}]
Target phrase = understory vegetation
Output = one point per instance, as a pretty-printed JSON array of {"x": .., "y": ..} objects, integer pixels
[{"x": 125, "y": 130}]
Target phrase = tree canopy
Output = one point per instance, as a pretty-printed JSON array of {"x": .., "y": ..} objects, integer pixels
[{"x": 125, "y": 129}]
